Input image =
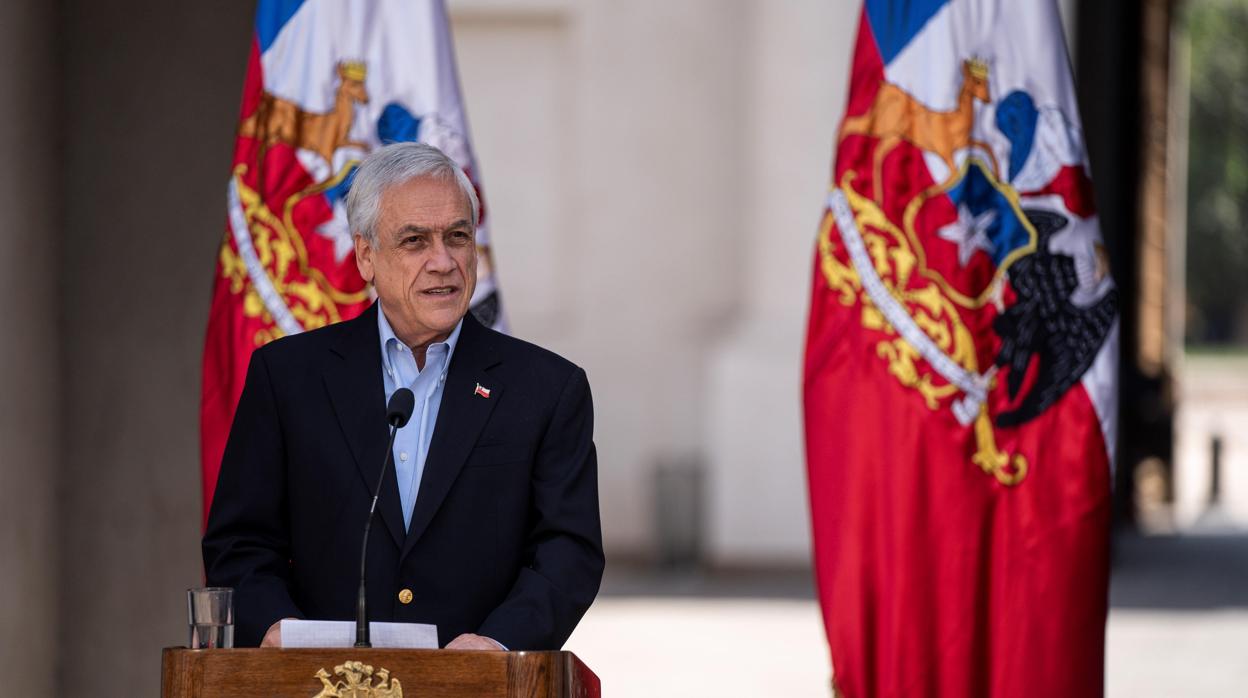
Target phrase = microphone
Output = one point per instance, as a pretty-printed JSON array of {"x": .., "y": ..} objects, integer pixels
[{"x": 398, "y": 411}]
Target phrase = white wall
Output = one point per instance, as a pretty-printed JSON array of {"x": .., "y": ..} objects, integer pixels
[{"x": 794, "y": 99}]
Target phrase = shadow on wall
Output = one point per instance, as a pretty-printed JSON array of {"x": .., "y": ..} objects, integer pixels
[
  {"x": 1192, "y": 572},
  {"x": 1162, "y": 572}
]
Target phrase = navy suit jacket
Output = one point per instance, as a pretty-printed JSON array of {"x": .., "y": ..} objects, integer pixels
[{"x": 505, "y": 538}]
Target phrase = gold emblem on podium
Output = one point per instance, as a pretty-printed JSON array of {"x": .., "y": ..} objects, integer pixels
[{"x": 357, "y": 682}]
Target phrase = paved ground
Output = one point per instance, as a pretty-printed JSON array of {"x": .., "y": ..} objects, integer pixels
[{"x": 1178, "y": 627}]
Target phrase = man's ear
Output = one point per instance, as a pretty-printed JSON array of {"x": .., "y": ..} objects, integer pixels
[{"x": 363, "y": 257}]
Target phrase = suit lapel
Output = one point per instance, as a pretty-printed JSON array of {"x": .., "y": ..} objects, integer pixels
[
  {"x": 461, "y": 416},
  {"x": 353, "y": 380}
]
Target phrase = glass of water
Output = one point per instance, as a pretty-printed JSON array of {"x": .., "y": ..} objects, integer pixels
[{"x": 211, "y": 615}]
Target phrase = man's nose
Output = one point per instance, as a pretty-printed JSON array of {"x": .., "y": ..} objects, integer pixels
[{"x": 440, "y": 259}]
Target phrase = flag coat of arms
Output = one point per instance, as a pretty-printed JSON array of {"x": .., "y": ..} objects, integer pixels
[
  {"x": 960, "y": 371},
  {"x": 327, "y": 82}
]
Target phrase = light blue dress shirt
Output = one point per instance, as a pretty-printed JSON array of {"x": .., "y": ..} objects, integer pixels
[{"x": 398, "y": 368}]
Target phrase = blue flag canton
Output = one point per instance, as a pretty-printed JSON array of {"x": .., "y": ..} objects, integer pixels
[
  {"x": 271, "y": 16},
  {"x": 895, "y": 22}
]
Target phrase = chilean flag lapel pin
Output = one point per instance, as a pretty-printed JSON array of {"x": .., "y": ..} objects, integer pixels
[{"x": 482, "y": 391}]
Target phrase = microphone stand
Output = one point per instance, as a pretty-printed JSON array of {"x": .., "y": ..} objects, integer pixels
[{"x": 361, "y": 603}]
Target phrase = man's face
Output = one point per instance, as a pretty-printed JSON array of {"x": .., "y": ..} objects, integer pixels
[{"x": 424, "y": 265}]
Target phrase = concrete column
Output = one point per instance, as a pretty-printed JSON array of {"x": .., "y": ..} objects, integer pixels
[
  {"x": 794, "y": 95},
  {"x": 29, "y": 212},
  {"x": 617, "y": 214},
  {"x": 151, "y": 102}
]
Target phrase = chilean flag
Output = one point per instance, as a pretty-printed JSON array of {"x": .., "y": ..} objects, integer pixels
[
  {"x": 960, "y": 372},
  {"x": 327, "y": 81}
]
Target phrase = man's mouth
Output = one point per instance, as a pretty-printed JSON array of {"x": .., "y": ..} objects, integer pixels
[{"x": 440, "y": 290}]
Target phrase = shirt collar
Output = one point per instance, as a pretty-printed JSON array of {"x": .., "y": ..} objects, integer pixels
[{"x": 387, "y": 334}]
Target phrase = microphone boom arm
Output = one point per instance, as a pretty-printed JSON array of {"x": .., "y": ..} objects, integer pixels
[{"x": 398, "y": 411}]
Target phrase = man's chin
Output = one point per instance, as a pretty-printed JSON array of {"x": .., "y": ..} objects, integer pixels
[{"x": 443, "y": 321}]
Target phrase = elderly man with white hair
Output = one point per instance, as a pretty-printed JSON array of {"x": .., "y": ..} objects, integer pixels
[{"x": 489, "y": 515}]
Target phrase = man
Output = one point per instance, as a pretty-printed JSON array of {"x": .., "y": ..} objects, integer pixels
[{"x": 489, "y": 515}]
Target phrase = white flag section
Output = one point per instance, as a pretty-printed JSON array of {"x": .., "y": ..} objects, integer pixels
[{"x": 380, "y": 71}]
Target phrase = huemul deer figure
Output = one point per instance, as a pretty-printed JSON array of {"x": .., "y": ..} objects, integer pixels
[
  {"x": 896, "y": 116},
  {"x": 278, "y": 120}
]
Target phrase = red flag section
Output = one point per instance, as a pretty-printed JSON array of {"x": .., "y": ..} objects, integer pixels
[
  {"x": 272, "y": 265},
  {"x": 961, "y": 338}
]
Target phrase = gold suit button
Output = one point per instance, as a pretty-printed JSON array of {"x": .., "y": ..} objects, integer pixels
[{"x": 405, "y": 596}]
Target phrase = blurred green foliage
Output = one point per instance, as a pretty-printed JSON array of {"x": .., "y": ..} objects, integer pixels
[{"x": 1217, "y": 206}]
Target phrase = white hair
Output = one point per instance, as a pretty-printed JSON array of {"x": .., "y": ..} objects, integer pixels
[{"x": 395, "y": 164}]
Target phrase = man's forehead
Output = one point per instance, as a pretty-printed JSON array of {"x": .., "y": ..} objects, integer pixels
[{"x": 426, "y": 203}]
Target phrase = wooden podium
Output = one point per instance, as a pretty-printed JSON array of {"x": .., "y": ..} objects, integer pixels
[{"x": 373, "y": 673}]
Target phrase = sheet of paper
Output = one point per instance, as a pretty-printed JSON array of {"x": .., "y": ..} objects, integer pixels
[{"x": 341, "y": 633}]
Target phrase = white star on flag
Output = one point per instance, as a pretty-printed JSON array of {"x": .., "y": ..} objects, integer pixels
[
  {"x": 339, "y": 232},
  {"x": 969, "y": 232}
]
